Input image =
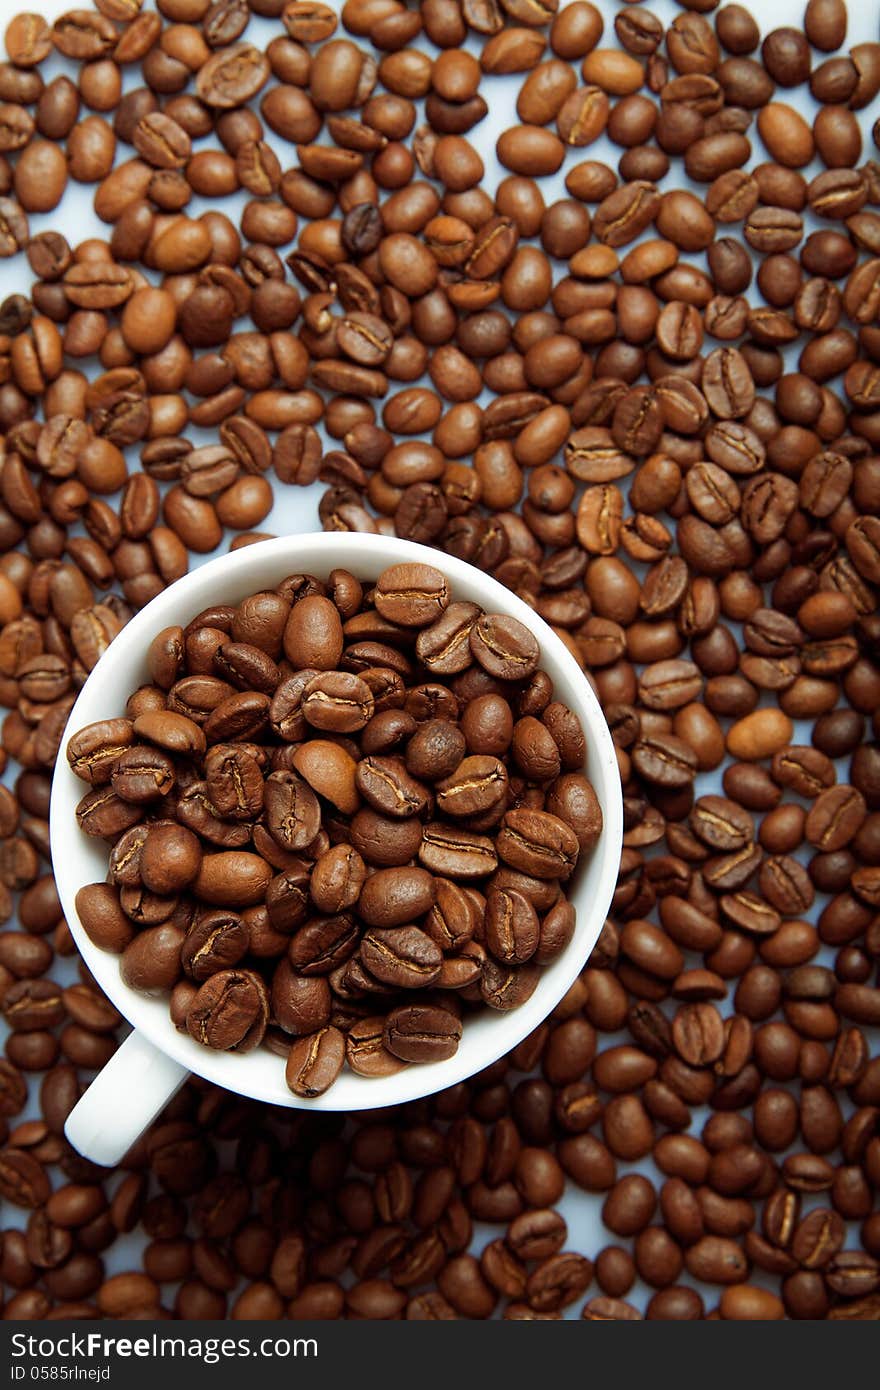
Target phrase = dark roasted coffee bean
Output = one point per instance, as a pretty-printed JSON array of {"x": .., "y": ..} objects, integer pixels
[
  {"x": 314, "y": 1062},
  {"x": 218, "y": 941},
  {"x": 512, "y": 929},
  {"x": 413, "y": 595},
  {"x": 421, "y": 1033},
  {"x": 403, "y": 957},
  {"x": 230, "y": 1011},
  {"x": 504, "y": 648},
  {"x": 292, "y": 812}
]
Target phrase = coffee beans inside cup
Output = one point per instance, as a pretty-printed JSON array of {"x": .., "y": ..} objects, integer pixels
[
  {"x": 635, "y": 376},
  {"x": 342, "y": 817}
]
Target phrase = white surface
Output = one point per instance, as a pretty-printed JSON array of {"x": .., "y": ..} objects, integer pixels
[
  {"x": 80, "y": 860},
  {"x": 295, "y": 509}
]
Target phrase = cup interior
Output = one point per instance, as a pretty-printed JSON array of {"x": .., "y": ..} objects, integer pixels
[{"x": 80, "y": 860}]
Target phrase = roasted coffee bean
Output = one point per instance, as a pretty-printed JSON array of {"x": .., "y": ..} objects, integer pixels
[
  {"x": 337, "y": 701},
  {"x": 422, "y": 1033},
  {"x": 94, "y": 751},
  {"x": 504, "y": 647},
  {"x": 404, "y": 958},
  {"x": 412, "y": 595},
  {"x": 443, "y": 645},
  {"x": 293, "y": 816},
  {"x": 388, "y": 787},
  {"x": 365, "y": 1050},
  {"x": 477, "y": 784},
  {"x": 314, "y": 1062},
  {"x": 337, "y": 879},
  {"x": 218, "y": 941},
  {"x": 512, "y": 929},
  {"x": 537, "y": 843}
]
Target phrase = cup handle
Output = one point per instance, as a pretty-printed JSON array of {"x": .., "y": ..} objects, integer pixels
[{"x": 124, "y": 1098}]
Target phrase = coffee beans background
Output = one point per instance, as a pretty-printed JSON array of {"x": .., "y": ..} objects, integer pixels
[{"x": 823, "y": 1136}]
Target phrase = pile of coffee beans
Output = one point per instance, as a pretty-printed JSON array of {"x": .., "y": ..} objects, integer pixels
[
  {"x": 336, "y": 813},
  {"x": 643, "y": 390}
]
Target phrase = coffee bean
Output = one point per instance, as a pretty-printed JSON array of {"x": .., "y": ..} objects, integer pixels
[
  {"x": 218, "y": 941},
  {"x": 417, "y": 1033},
  {"x": 234, "y": 877},
  {"x": 94, "y": 751},
  {"x": 365, "y": 1049},
  {"x": 292, "y": 812},
  {"x": 665, "y": 760},
  {"x": 504, "y": 648},
  {"x": 392, "y": 897},
  {"x": 436, "y": 748},
  {"x": 337, "y": 879},
  {"x": 22, "y": 1180},
  {"x": 538, "y": 843},
  {"x": 313, "y": 635},
  {"x": 314, "y": 1062},
  {"x": 414, "y": 595},
  {"x": 512, "y": 930},
  {"x": 338, "y": 701},
  {"x": 322, "y": 944},
  {"x": 477, "y": 784}
]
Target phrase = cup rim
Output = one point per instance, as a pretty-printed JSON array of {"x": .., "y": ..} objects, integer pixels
[{"x": 366, "y": 555}]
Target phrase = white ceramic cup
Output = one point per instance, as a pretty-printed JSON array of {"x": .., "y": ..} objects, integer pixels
[{"x": 156, "y": 1059}]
